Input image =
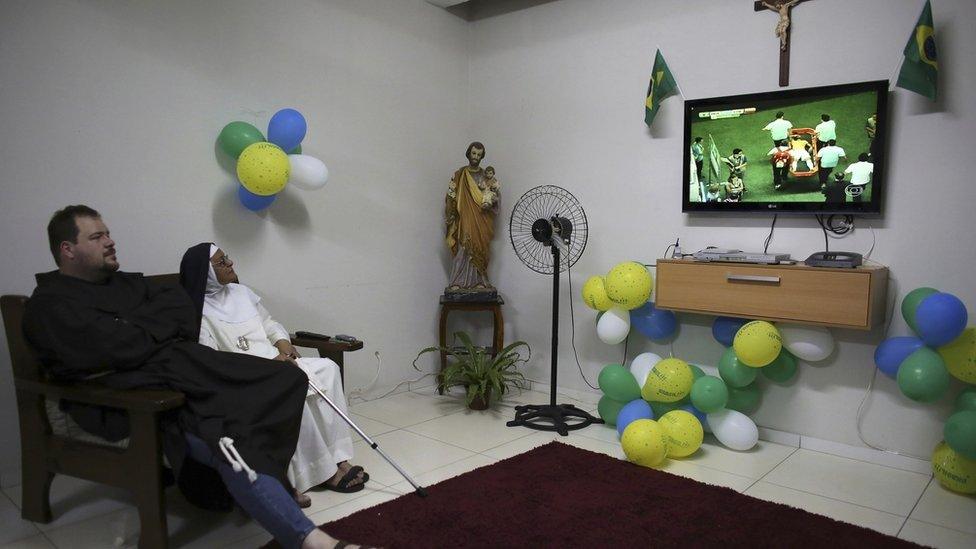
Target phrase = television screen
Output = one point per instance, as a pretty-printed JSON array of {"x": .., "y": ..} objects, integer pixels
[{"x": 817, "y": 150}]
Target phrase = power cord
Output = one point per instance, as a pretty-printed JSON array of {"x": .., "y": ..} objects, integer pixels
[
  {"x": 874, "y": 375},
  {"x": 572, "y": 323},
  {"x": 769, "y": 237},
  {"x": 835, "y": 224},
  {"x": 357, "y": 393}
]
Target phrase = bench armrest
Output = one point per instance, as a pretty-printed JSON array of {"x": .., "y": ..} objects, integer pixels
[
  {"x": 326, "y": 346},
  {"x": 143, "y": 400}
]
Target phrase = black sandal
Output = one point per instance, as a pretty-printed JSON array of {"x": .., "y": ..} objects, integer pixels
[{"x": 343, "y": 485}]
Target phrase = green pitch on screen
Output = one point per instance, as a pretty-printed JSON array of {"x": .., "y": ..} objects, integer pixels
[{"x": 745, "y": 131}]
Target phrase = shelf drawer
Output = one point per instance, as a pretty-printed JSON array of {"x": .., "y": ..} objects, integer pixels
[{"x": 851, "y": 298}]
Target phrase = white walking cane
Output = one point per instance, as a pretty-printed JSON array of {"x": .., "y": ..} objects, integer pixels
[{"x": 419, "y": 490}]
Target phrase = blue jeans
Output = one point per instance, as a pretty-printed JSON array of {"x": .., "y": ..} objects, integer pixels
[{"x": 265, "y": 500}]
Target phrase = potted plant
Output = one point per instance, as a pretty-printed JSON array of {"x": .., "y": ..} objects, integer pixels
[{"x": 482, "y": 375}]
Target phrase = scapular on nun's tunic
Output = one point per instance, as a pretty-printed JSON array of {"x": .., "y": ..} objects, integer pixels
[{"x": 128, "y": 332}]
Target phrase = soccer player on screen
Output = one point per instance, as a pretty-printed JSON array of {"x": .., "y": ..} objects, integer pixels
[
  {"x": 779, "y": 129},
  {"x": 860, "y": 176},
  {"x": 780, "y": 162}
]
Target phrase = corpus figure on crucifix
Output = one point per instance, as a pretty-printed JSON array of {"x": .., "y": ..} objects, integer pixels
[{"x": 782, "y": 8}]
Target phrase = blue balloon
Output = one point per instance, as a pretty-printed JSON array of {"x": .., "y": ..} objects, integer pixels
[
  {"x": 254, "y": 202},
  {"x": 700, "y": 415},
  {"x": 892, "y": 351},
  {"x": 632, "y": 411},
  {"x": 725, "y": 327},
  {"x": 287, "y": 129},
  {"x": 940, "y": 318},
  {"x": 652, "y": 322}
]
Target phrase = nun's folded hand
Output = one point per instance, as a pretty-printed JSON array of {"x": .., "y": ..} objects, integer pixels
[{"x": 286, "y": 358}]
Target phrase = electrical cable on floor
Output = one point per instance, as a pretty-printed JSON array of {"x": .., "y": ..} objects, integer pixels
[
  {"x": 358, "y": 391},
  {"x": 874, "y": 375}
]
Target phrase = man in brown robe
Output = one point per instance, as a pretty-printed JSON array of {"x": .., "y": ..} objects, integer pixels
[{"x": 89, "y": 321}]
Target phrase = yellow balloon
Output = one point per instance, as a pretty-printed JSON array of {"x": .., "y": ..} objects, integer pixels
[
  {"x": 960, "y": 356},
  {"x": 644, "y": 442},
  {"x": 955, "y": 472},
  {"x": 757, "y": 343},
  {"x": 595, "y": 294},
  {"x": 629, "y": 284},
  {"x": 685, "y": 433},
  {"x": 669, "y": 381},
  {"x": 263, "y": 168}
]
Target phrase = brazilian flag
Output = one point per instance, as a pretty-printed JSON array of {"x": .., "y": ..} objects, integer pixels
[
  {"x": 662, "y": 85},
  {"x": 920, "y": 70}
]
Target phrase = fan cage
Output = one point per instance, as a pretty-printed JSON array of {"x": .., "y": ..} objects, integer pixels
[{"x": 545, "y": 202}]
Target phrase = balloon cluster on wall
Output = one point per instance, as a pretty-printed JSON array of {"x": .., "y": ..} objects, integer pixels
[
  {"x": 922, "y": 366},
  {"x": 264, "y": 167},
  {"x": 623, "y": 299}
]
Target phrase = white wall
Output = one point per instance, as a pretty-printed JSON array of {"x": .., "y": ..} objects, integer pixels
[
  {"x": 558, "y": 93},
  {"x": 118, "y": 105}
]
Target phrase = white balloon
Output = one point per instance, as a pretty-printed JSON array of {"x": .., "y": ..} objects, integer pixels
[
  {"x": 733, "y": 429},
  {"x": 613, "y": 326},
  {"x": 642, "y": 365},
  {"x": 307, "y": 172},
  {"x": 810, "y": 343}
]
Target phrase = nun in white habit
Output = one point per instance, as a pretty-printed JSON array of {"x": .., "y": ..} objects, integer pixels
[{"x": 233, "y": 319}]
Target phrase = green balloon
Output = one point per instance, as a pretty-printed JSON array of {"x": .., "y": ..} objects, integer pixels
[
  {"x": 782, "y": 369},
  {"x": 709, "y": 394},
  {"x": 923, "y": 376},
  {"x": 744, "y": 399},
  {"x": 296, "y": 150},
  {"x": 618, "y": 383},
  {"x": 911, "y": 302},
  {"x": 237, "y": 136},
  {"x": 733, "y": 372},
  {"x": 966, "y": 401},
  {"x": 608, "y": 409},
  {"x": 960, "y": 433},
  {"x": 661, "y": 408},
  {"x": 696, "y": 371}
]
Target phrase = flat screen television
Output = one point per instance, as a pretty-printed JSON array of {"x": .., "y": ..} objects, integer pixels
[{"x": 815, "y": 150}]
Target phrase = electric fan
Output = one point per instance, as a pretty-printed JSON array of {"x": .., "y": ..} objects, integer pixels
[{"x": 549, "y": 217}]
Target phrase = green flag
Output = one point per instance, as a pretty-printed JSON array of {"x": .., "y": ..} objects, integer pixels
[
  {"x": 714, "y": 159},
  {"x": 662, "y": 85},
  {"x": 920, "y": 69}
]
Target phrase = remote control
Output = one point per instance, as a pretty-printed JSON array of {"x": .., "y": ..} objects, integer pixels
[
  {"x": 312, "y": 335},
  {"x": 346, "y": 338}
]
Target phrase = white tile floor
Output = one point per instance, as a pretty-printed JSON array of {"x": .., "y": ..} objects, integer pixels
[{"x": 435, "y": 438}]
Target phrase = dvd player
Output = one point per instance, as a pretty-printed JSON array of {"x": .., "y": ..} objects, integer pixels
[{"x": 738, "y": 256}]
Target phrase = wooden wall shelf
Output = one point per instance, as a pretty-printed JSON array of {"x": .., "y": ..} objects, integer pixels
[{"x": 840, "y": 298}]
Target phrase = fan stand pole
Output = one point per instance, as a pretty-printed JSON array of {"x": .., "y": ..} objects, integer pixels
[{"x": 552, "y": 416}]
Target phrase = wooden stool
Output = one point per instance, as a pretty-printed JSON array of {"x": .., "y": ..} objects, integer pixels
[{"x": 498, "y": 325}]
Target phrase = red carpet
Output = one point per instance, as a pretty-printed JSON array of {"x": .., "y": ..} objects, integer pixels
[{"x": 561, "y": 496}]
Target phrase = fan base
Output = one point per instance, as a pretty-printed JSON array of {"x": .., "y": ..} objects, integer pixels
[{"x": 548, "y": 417}]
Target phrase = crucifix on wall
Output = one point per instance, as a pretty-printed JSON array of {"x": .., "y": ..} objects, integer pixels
[{"x": 782, "y": 8}]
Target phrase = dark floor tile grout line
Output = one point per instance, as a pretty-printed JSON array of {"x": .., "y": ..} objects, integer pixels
[
  {"x": 917, "y": 501},
  {"x": 838, "y": 500},
  {"x": 771, "y": 469},
  {"x": 864, "y": 461}
]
